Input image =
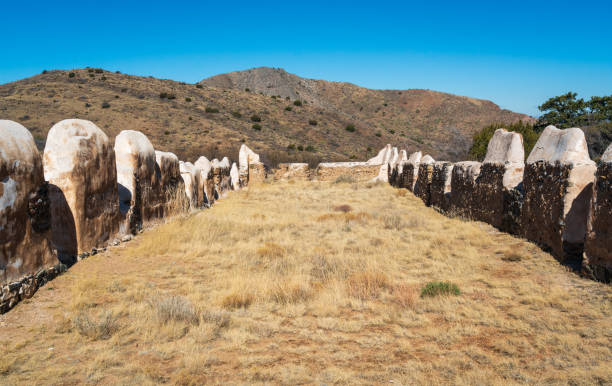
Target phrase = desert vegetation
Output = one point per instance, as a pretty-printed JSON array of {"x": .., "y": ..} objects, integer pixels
[{"x": 314, "y": 283}]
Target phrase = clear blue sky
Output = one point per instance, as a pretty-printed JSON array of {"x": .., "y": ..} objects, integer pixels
[{"x": 516, "y": 53}]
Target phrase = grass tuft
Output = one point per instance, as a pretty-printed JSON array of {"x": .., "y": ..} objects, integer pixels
[
  {"x": 99, "y": 327},
  {"x": 439, "y": 288},
  {"x": 366, "y": 285},
  {"x": 174, "y": 308}
]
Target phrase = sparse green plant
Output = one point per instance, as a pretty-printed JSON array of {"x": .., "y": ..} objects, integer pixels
[
  {"x": 312, "y": 122},
  {"x": 247, "y": 89},
  {"x": 297, "y": 103},
  {"x": 98, "y": 71},
  {"x": 105, "y": 105},
  {"x": 255, "y": 118},
  {"x": 256, "y": 126},
  {"x": 187, "y": 99},
  {"x": 378, "y": 134},
  {"x": 198, "y": 85},
  {"x": 71, "y": 75},
  {"x": 166, "y": 132},
  {"x": 211, "y": 110},
  {"x": 236, "y": 114},
  {"x": 439, "y": 288},
  {"x": 288, "y": 108},
  {"x": 291, "y": 147},
  {"x": 350, "y": 128},
  {"x": 310, "y": 148}
]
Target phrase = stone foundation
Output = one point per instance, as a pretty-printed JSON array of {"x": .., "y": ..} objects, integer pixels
[
  {"x": 292, "y": 171},
  {"x": 16, "y": 291},
  {"x": 359, "y": 171}
]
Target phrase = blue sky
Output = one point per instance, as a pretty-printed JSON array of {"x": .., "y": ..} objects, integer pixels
[{"x": 515, "y": 53}]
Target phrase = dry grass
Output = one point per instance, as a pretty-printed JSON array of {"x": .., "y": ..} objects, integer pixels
[{"x": 273, "y": 285}]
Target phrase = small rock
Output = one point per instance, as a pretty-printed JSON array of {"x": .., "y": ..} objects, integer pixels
[{"x": 126, "y": 238}]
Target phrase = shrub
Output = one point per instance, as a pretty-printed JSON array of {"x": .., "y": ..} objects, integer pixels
[
  {"x": 300, "y": 148},
  {"x": 163, "y": 95},
  {"x": 312, "y": 122},
  {"x": 187, "y": 99},
  {"x": 392, "y": 131},
  {"x": 288, "y": 108},
  {"x": 366, "y": 285},
  {"x": 392, "y": 221},
  {"x": 310, "y": 148},
  {"x": 297, "y": 103},
  {"x": 105, "y": 105},
  {"x": 174, "y": 308},
  {"x": 343, "y": 208},
  {"x": 98, "y": 71},
  {"x": 256, "y": 126},
  {"x": 198, "y": 86},
  {"x": 247, "y": 89},
  {"x": 87, "y": 105},
  {"x": 166, "y": 132},
  {"x": 481, "y": 139},
  {"x": 71, "y": 75},
  {"x": 378, "y": 134},
  {"x": 103, "y": 78},
  {"x": 101, "y": 327},
  {"x": 90, "y": 70},
  {"x": 211, "y": 110},
  {"x": 291, "y": 147},
  {"x": 403, "y": 295},
  {"x": 350, "y": 128},
  {"x": 437, "y": 288},
  {"x": 238, "y": 299},
  {"x": 92, "y": 76},
  {"x": 236, "y": 114},
  {"x": 345, "y": 179},
  {"x": 255, "y": 118}
]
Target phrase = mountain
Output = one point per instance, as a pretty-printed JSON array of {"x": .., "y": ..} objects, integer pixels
[{"x": 281, "y": 116}]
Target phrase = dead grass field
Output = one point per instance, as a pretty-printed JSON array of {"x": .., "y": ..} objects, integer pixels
[{"x": 313, "y": 283}]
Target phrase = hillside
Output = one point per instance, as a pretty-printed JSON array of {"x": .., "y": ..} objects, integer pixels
[
  {"x": 193, "y": 120},
  {"x": 313, "y": 283}
]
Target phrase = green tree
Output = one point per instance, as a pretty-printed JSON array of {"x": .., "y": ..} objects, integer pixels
[
  {"x": 478, "y": 151},
  {"x": 563, "y": 111}
]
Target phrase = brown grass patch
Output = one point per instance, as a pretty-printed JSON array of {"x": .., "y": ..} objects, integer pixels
[
  {"x": 238, "y": 299},
  {"x": 271, "y": 251},
  {"x": 404, "y": 295},
  {"x": 343, "y": 208},
  {"x": 366, "y": 285}
]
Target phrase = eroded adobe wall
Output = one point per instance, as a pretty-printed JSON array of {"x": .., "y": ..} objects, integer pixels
[
  {"x": 598, "y": 246},
  {"x": 27, "y": 259},
  {"x": 558, "y": 183},
  {"x": 422, "y": 186},
  {"x": 440, "y": 188},
  {"x": 79, "y": 164}
]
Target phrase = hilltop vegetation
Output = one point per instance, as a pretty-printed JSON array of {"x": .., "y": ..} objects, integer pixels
[
  {"x": 298, "y": 283},
  {"x": 332, "y": 121}
]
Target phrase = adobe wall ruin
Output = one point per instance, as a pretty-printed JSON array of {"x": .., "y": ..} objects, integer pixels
[
  {"x": 79, "y": 164},
  {"x": 292, "y": 171},
  {"x": 440, "y": 188},
  {"x": 598, "y": 246},
  {"x": 71, "y": 202},
  {"x": 558, "y": 183},
  {"x": 422, "y": 186}
]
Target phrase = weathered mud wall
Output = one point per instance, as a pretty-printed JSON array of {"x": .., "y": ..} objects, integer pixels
[
  {"x": 558, "y": 183},
  {"x": 598, "y": 247},
  {"x": 25, "y": 217},
  {"x": 440, "y": 188},
  {"x": 422, "y": 186},
  {"x": 79, "y": 164}
]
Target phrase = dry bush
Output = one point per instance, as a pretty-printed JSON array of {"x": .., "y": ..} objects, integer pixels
[
  {"x": 174, "y": 308},
  {"x": 271, "y": 251},
  {"x": 360, "y": 217},
  {"x": 101, "y": 326},
  {"x": 392, "y": 221},
  {"x": 511, "y": 256},
  {"x": 286, "y": 291},
  {"x": 238, "y": 299},
  {"x": 345, "y": 179},
  {"x": 220, "y": 319},
  {"x": 343, "y": 208},
  {"x": 366, "y": 285},
  {"x": 324, "y": 269},
  {"x": 404, "y": 295}
]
